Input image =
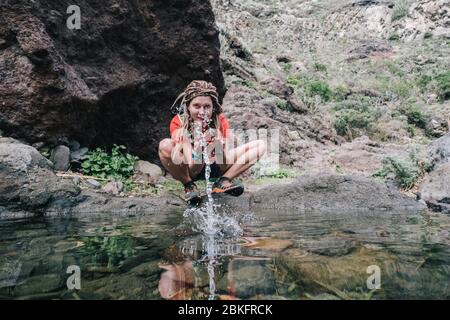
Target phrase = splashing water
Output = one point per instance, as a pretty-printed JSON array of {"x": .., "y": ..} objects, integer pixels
[{"x": 214, "y": 224}]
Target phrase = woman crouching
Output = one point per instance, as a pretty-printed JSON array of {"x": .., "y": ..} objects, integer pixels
[{"x": 200, "y": 133}]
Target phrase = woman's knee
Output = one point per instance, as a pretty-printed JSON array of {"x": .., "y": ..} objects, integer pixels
[
  {"x": 262, "y": 147},
  {"x": 165, "y": 148}
]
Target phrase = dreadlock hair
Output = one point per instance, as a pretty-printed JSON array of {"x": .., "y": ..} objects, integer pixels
[{"x": 195, "y": 89}]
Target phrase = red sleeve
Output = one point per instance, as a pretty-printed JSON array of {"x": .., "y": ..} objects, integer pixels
[
  {"x": 174, "y": 125},
  {"x": 224, "y": 125}
]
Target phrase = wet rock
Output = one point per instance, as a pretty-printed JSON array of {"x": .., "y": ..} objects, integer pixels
[
  {"x": 93, "y": 183},
  {"x": 247, "y": 278},
  {"x": 147, "y": 172},
  {"x": 40, "y": 284},
  {"x": 113, "y": 187},
  {"x": 60, "y": 157}
]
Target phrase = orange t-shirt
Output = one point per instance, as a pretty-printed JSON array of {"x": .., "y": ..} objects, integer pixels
[{"x": 176, "y": 124}]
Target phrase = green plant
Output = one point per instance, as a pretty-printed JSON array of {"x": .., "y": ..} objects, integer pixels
[
  {"x": 294, "y": 81},
  {"x": 400, "y": 9},
  {"x": 394, "y": 37},
  {"x": 405, "y": 172},
  {"x": 320, "y": 67},
  {"x": 284, "y": 105},
  {"x": 349, "y": 119},
  {"x": 353, "y": 114},
  {"x": 283, "y": 173},
  {"x": 320, "y": 88},
  {"x": 411, "y": 129},
  {"x": 443, "y": 85},
  {"x": 286, "y": 66},
  {"x": 340, "y": 93},
  {"x": 414, "y": 115},
  {"x": 114, "y": 166},
  {"x": 112, "y": 250},
  {"x": 423, "y": 82}
]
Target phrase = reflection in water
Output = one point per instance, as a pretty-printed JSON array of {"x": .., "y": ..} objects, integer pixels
[{"x": 278, "y": 255}]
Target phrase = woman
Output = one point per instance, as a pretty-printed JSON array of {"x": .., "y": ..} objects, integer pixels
[{"x": 200, "y": 113}]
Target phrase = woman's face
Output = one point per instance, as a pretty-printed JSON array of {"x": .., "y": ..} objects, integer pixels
[{"x": 201, "y": 108}]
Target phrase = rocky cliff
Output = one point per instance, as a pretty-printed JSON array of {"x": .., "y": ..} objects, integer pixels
[{"x": 111, "y": 81}]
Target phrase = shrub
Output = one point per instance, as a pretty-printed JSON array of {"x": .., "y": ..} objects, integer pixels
[
  {"x": 400, "y": 9},
  {"x": 320, "y": 88},
  {"x": 415, "y": 116},
  {"x": 443, "y": 84},
  {"x": 352, "y": 114},
  {"x": 349, "y": 119},
  {"x": 114, "y": 166},
  {"x": 340, "y": 93},
  {"x": 320, "y": 67},
  {"x": 405, "y": 172},
  {"x": 284, "y": 105}
]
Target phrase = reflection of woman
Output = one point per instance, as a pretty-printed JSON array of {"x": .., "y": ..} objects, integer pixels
[{"x": 182, "y": 155}]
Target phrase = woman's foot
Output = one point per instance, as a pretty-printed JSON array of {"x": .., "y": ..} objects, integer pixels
[
  {"x": 225, "y": 185},
  {"x": 191, "y": 193}
]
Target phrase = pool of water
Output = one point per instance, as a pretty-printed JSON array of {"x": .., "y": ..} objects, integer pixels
[{"x": 262, "y": 255}]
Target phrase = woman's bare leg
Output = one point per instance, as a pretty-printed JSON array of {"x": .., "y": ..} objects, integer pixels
[
  {"x": 242, "y": 158},
  {"x": 180, "y": 171}
]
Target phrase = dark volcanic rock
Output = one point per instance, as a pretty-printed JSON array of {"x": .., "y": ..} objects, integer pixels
[{"x": 113, "y": 80}]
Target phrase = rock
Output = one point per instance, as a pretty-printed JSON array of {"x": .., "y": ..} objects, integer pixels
[
  {"x": 363, "y": 156},
  {"x": 93, "y": 183},
  {"x": 60, "y": 157},
  {"x": 435, "y": 188},
  {"x": 438, "y": 152},
  {"x": 38, "y": 145},
  {"x": 436, "y": 127},
  {"x": 27, "y": 182},
  {"x": 74, "y": 145},
  {"x": 147, "y": 172},
  {"x": 76, "y": 180},
  {"x": 335, "y": 193},
  {"x": 277, "y": 87},
  {"x": 40, "y": 284},
  {"x": 114, "y": 187},
  {"x": 58, "y": 83},
  {"x": 369, "y": 48},
  {"x": 78, "y": 154},
  {"x": 248, "y": 110}
]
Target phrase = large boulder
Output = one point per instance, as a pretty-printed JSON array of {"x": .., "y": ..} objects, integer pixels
[
  {"x": 113, "y": 80},
  {"x": 335, "y": 193},
  {"x": 27, "y": 181},
  {"x": 435, "y": 187}
]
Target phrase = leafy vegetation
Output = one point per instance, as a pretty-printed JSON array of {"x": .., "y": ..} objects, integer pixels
[
  {"x": 405, "y": 172},
  {"x": 353, "y": 115},
  {"x": 115, "y": 166}
]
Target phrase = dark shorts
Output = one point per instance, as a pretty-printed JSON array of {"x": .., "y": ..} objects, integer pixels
[{"x": 215, "y": 172}]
